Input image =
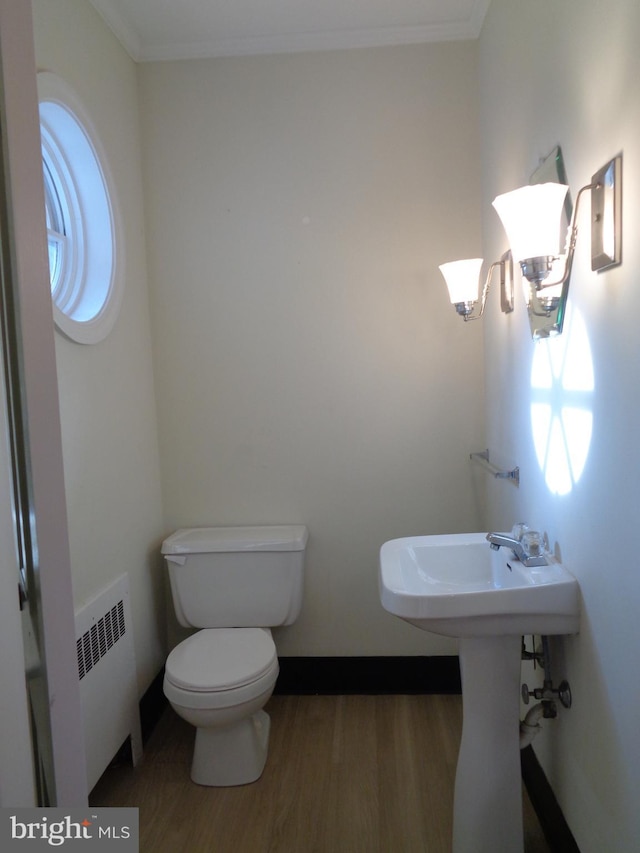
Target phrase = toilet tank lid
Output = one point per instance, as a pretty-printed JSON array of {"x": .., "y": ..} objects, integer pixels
[{"x": 207, "y": 540}]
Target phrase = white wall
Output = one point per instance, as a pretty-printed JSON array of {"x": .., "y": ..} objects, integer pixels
[
  {"x": 568, "y": 73},
  {"x": 309, "y": 367},
  {"x": 106, "y": 391}
]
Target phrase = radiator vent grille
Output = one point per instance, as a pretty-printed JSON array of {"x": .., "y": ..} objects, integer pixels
[{"x": 94, "y": 644}]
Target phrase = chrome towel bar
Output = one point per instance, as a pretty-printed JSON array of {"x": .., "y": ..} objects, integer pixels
[{"x": 482, "y": 458}]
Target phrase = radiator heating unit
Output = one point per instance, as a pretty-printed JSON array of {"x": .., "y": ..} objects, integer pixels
[{"x": 107, "y": 673}]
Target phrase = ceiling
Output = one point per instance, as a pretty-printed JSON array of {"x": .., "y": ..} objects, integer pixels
[{"x": 193, "y": 29}]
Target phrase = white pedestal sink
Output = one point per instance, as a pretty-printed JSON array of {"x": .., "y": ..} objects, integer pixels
[{"x": 457, "y": 586}]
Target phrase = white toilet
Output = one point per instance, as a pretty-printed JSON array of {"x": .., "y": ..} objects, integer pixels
[{"x": 234, "y": 583}]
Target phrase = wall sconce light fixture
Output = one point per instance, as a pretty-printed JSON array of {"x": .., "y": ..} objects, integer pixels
[
  {"x": 531, "y": 218},
  {"x": 463, "y": 281}
]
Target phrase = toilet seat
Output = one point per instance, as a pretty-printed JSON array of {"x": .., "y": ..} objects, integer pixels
[{"x": 221, "y": 667}]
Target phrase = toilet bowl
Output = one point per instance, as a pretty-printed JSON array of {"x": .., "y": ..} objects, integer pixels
[
  {"x": 234, "y": 584},
  {"x": 219, "y": 680}
]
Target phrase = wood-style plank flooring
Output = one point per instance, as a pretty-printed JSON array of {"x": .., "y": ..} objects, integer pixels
[{"x": 345, "y": 774}]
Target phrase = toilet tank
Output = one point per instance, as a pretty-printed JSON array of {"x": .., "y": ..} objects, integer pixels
[{"x": 236, "y": 577}]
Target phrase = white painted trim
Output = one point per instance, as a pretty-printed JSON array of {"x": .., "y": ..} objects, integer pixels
[
  {"x": 289, "y": 43},
  {"x": 86, "y": 182},
  {"x": 40, "y": 387},
  {"x": 120, "y": 26},
  {"x": 16, "y": 767},
  {"x": 306, "y": 42}
]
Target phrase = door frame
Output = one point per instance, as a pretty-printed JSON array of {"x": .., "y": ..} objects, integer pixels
[{"x": 39, "y": 393}]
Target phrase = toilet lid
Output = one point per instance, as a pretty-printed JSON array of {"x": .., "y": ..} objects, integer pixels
[{"x": 221, "y": 658}]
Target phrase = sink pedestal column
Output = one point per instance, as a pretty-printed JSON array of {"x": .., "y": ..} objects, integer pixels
[{"x": 487, "y": 815}]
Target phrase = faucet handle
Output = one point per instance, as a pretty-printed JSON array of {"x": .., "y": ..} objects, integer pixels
[
  {"x": 518, "y": 530},
  {"x": 532, "y": 543}
]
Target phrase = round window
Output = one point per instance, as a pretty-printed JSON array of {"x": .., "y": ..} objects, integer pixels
[{"x": 81, "y": 222}]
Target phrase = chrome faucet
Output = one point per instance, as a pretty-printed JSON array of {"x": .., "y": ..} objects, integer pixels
[{"x": 527, "y": 558}]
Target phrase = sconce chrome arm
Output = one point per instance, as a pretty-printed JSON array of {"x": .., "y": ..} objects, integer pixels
[
  {"x": 466, "y": 309},
  {"x": 536, "y": 270}
]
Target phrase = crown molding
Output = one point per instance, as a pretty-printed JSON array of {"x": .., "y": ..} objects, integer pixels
[
  {"x": 305, "y": 42},
  {"x": 139, "y": 51},
  {"x": 121, "y": 28}
]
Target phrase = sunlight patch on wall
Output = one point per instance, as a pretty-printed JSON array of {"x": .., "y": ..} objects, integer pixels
[{"x": 562, "y": 386}]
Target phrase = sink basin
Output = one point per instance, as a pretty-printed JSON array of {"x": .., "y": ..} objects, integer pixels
[{"x": 458, "y": 586}]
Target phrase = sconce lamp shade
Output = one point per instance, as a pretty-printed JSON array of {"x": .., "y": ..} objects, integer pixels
[
  {"x": 463, "y": 279},
  {"x": 531, "y": 217}
]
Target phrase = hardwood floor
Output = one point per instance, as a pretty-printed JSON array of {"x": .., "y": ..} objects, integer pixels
[{"x": 345, "y": 774}]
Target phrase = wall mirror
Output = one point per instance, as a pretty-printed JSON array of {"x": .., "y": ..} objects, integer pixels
[{"x": 547, "y": 307}]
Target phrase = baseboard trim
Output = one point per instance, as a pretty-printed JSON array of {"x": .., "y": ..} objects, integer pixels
[
  {"x": 556, "y": 829},
  {"x": 152, "y": 705},
  {"x": 307, "y": 676},
  {"x": 367, "y": 675}
]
